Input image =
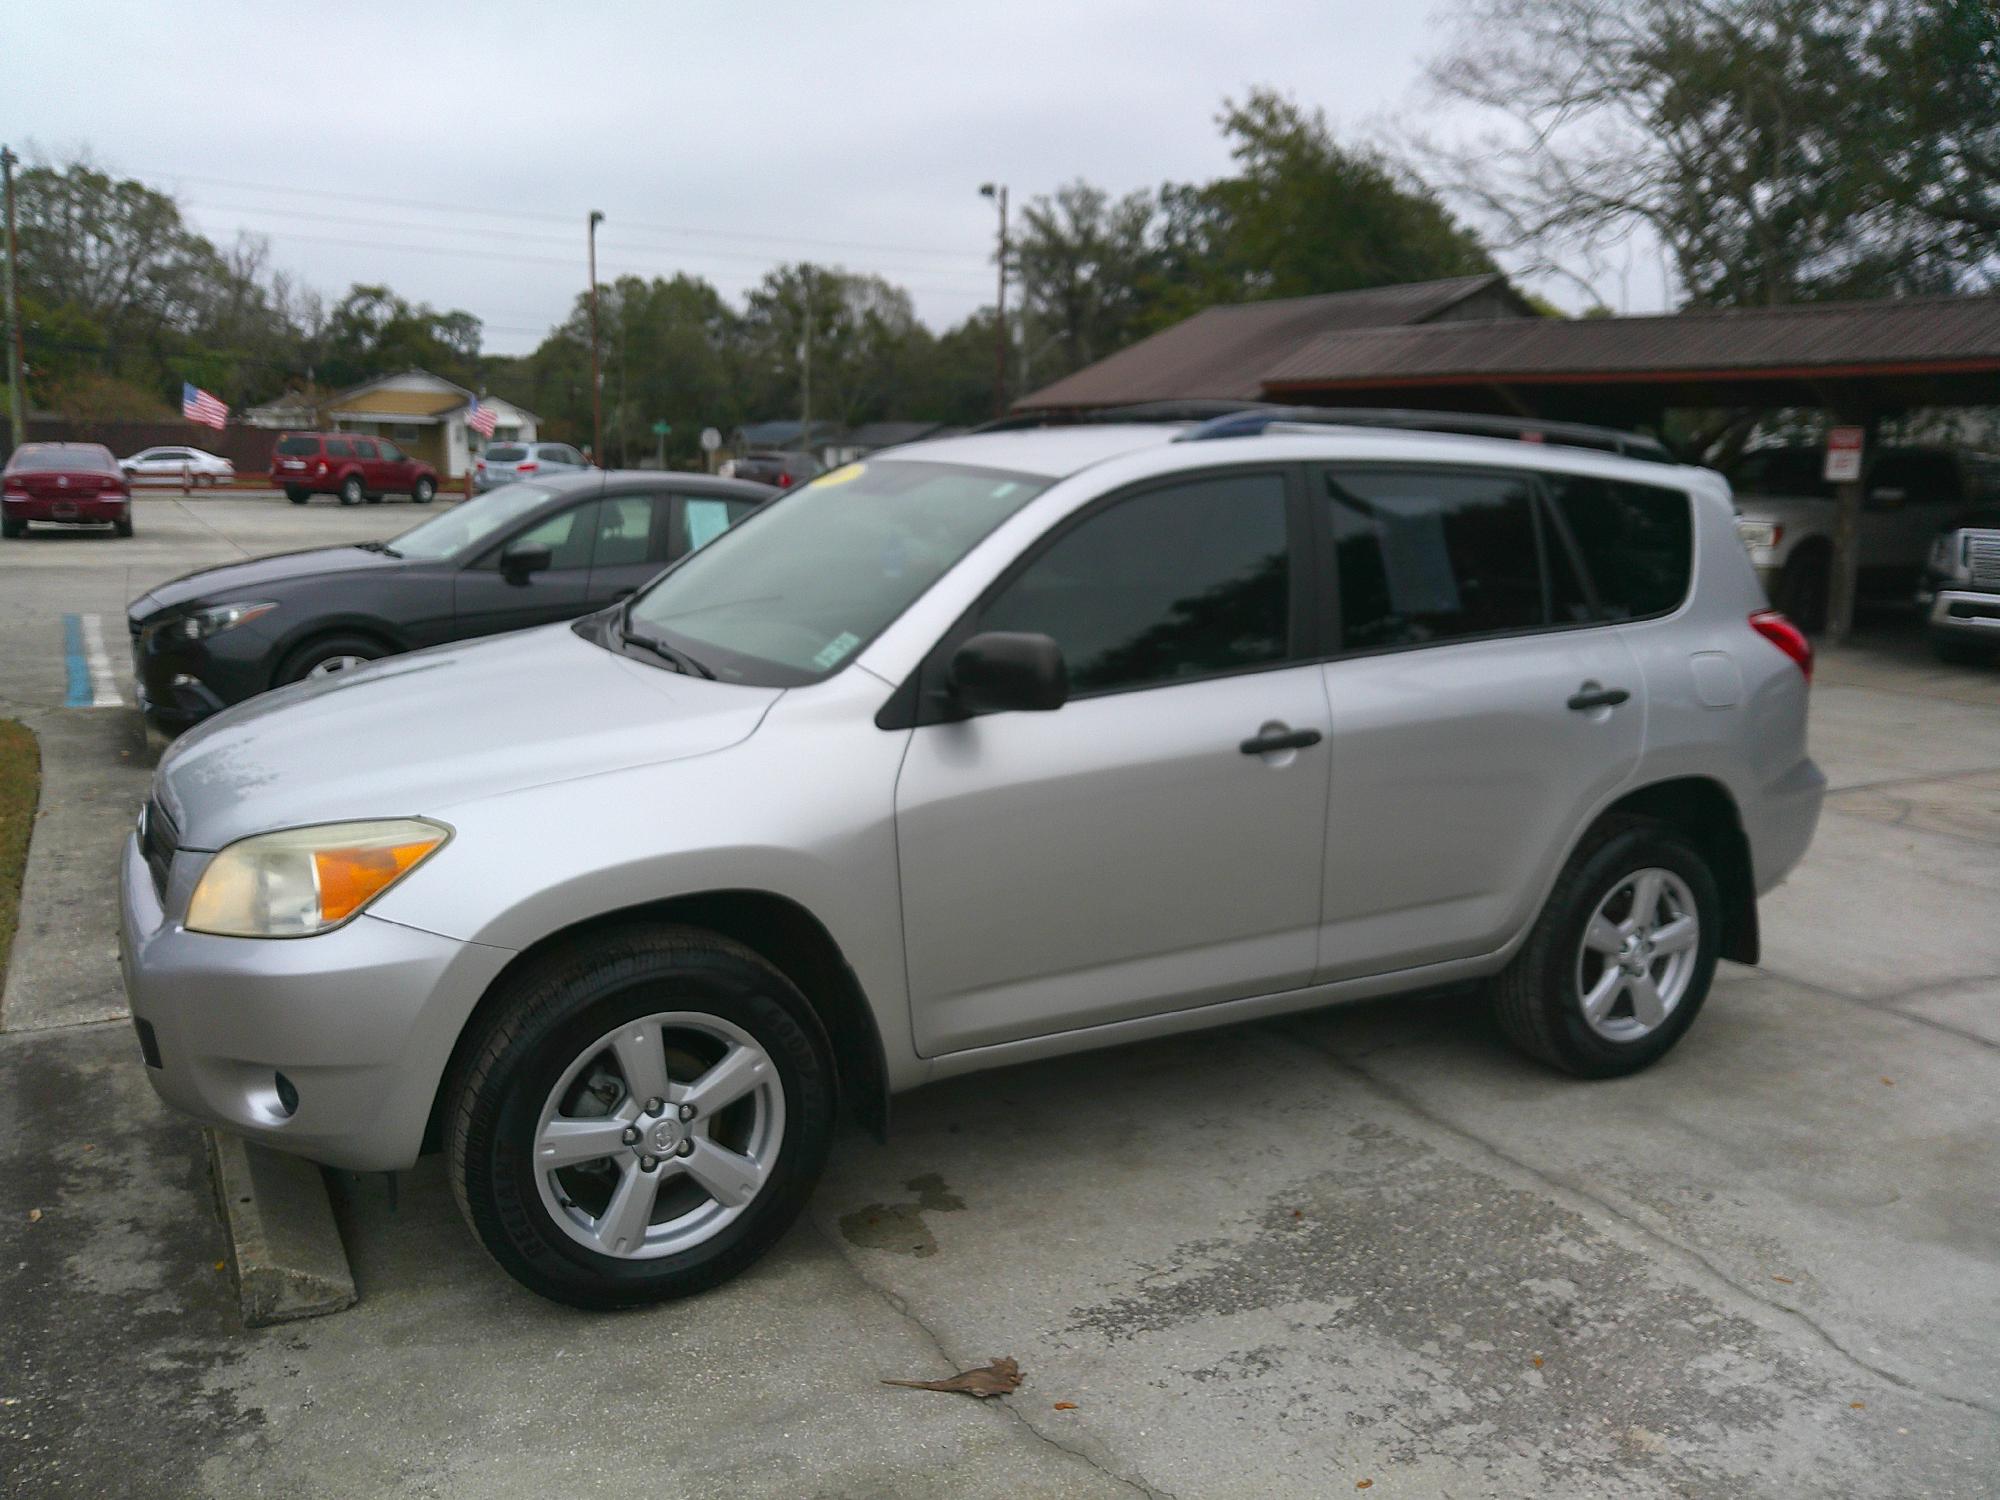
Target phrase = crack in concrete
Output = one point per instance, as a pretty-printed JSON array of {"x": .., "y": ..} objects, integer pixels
[
  {"x": 1835, "y": 793},
  {"x": 1405, "y": 1100},
  {"x": 1885, "y": 1005},
  {"x": 901, "y": 1306}
]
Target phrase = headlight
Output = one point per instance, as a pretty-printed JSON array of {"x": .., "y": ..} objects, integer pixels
[
  {"x": 307, "y": 880},
  {"x": 204, "y": 623},
  {"x": 1756, "y": 534},
  {"x": 1944, "y": 552}
]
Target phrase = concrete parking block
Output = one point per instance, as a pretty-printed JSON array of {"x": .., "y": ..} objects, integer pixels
[{"x": 284, "y": 1248}]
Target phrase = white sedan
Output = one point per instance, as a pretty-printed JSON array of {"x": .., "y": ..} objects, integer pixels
[{"x": 169, "y": 464}]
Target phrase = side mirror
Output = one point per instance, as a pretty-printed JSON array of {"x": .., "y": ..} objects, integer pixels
[
  {"x": 1005, "y": 670},
  {"x": 522, "y": 560}
]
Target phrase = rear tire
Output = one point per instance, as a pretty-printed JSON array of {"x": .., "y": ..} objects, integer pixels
[
  {"x": 297, "y": 494},
  {"x": 424, "y": 492},
  {"x": 122, "y": 528},
  {"x": 13, "y": 528},
  {"x": 574, "y": 1038},
  {"x": 351, "y": 492},
  {"x": 1804, "y": 586},
  {"x": 1607, "y": 983},
  {"x": 328, "y": 656}
]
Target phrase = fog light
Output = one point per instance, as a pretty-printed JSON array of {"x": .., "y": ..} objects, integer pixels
[{"x": 288, "y": 1095}]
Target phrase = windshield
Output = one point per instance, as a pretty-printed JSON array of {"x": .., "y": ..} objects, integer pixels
[
  {"x": 471, "y": 523},
  {"x": 795, "y": 590}
]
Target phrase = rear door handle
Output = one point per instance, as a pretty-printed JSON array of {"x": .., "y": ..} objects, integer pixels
[
  {"x": 1279, "y": 739},
  {"x": 1593, "y": 696}
]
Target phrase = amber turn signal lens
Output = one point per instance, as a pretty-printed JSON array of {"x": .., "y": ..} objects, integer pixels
[{"x": 350, "y": 878}]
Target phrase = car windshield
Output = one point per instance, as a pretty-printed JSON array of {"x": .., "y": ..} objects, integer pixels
[
  {"x": 472, "y": 523},
  {"x": 790, "y": 594},
  {"x": 32, "y": 456},
  {"x": 1782, "y": 471}
]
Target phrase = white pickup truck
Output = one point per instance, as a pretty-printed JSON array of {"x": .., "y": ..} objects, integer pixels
[
  {"x": 1785, "y": 516},
  {"x": 1960, "y": 596}
]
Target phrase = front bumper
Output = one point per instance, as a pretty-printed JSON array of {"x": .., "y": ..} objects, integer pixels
[
  {"x": 361, "y": 1021},
  {"x": 1962, "y": 614}
]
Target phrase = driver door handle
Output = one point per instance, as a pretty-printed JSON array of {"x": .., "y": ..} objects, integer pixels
[
  {"x": 1279, "y": 739},
  {"x": 1593, "y": 696}
]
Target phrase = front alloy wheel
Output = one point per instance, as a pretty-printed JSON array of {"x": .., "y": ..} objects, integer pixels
[{"x": 638, "y": 1116}]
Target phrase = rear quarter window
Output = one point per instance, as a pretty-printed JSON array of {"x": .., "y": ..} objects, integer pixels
[{"x": 1637, "y": 541}]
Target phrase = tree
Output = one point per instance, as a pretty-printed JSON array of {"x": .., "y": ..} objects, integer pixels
[
  {"x": 1084, "y": 261},
  {"x": 1776, "y": 149}
]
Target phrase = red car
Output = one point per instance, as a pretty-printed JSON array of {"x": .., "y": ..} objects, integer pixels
[
  {"x": 349, "y": 465},
  {"x": 64, "y": 484}
]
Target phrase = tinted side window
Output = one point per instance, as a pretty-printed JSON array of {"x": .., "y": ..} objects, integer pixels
[
  {"x": 624, "y": 531},
  {"x": 339, "y": 448},
  {"x": 391, "y": 452},
  {"x": 1637, "y": 541},
  {"x": 567, "y": 534},
  {"x": 1179, "y": 582},
  {"x": 1426, "y": 555},
  {"x": 363, "y": 448}
]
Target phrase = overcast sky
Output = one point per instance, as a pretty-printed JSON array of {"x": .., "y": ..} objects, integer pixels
[{"x": 453, "y": 150}]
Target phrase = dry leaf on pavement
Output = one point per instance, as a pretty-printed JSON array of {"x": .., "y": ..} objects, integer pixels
[{"x": 996, "y": 1379}]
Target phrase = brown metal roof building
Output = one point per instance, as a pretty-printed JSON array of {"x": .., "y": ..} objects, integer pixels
[
  {"x": 1224, "y": 352},
  {"x": 1854, "y": 357}
]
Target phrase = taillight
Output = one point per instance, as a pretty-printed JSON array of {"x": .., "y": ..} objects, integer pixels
[
  {"x": 784, "y": 481},
  {"x": 482, "y": 466},
  {"x": 1786, "y": 636},
  {"x": 321, "y": 467},
  {"x": 527, "y": 468}
]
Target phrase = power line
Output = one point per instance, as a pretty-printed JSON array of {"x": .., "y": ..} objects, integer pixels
[{"x": 956, "y": 253}]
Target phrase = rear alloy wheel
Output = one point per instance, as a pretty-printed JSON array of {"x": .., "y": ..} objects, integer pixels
[
  {"x": 351, "y": 492},
  {"x": 424, "y": 492},
  {"x": 640, "y": 1118},
  {"x": 331, "y": 656},
  {"x": 1620, "y": 960}
]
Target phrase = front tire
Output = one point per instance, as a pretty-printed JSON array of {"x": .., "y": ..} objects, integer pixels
[
  {"x": 329, "y": 656},
  {"x": 351, "y": 492},
  {"x": 1956, "y": 652},
  {"x": 656, "y": 1045},
  {"x": 1621, "y": 958}
]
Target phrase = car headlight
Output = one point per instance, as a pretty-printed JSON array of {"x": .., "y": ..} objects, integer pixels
[
  {"x": 1944, "y": 552},
  {"x": 1754, "y": 534},
  {"x": 204, "y": 623},
  {"x": 307, "y": 880}
]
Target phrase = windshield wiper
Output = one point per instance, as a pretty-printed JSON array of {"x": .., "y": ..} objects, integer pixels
[
  {"x": 680, "y": 661},
  {"x": 382, "y": 547}
]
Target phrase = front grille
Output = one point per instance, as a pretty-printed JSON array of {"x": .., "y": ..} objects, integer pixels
[
  {"x": 1982, "y": 555},
  {"x": 158, "y": 841}
]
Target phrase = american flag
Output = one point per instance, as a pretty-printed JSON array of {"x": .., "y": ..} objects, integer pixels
[
  {"x": 198, "y": 406},
  {"x": 481, "y": 419}
]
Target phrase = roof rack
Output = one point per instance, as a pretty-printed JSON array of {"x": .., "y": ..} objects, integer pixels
[
  {"x": 1143, "y": 411},
  {"x": 1253, "y": 420}
]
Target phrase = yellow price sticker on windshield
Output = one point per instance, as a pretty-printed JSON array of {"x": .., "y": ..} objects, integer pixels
[{"x": 845, "y": 474}]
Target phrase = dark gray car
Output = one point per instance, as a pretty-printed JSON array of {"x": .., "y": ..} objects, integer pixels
[{"x": 525, "y": 555}]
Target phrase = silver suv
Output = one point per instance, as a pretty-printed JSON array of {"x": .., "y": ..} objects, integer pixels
[
  {"x": 503, "y": 463},
  {"x": 983, "y": 750}
]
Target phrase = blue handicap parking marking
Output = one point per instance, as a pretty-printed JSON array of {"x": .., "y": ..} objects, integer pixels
[{"x": 80, "y": 694}]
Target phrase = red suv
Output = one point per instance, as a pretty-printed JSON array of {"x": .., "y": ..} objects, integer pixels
[
  {"x": 349, "y": 465},
  {"x": 69, "y": 484}
]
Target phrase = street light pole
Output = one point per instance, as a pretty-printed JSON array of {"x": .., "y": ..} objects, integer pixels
[
  {"x": 14, "y": 378},
  {"x": 999, "y": 195},
  {"x": 596, "y": 380}
]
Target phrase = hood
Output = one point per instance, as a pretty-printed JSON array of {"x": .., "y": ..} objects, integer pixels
[
  {"x": 414, "y": 734},
  {"x": 239, "y": 580}
]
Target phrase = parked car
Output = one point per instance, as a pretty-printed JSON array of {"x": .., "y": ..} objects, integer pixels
[
  {"x": 782, "y": 469},
  {"x": 979, "y": 751},
  {"x": 524, "y": 556},
  {"x": 197, "y": 466},
  {"x": 503, "y": 463},
  {"x": 349, "y": 465},
  {"x": 64, "y": 484},
  {"x": 1960, "y": 596},
  {"x": 1787, "y": 511}
]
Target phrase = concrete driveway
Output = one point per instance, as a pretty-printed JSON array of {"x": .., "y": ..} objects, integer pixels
[{"x": 1365, "y": 1245}]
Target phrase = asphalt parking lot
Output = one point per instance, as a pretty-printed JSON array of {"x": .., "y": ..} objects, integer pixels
[{"x": 1369, "y": 1244}]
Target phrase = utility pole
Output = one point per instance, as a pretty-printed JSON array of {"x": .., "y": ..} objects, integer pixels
[
  {"x": 596, "y": 380},
  {"x": 999, "y": 195},
  {"x": 806, "y": 358},
  {"x": 15, "y": 379}
]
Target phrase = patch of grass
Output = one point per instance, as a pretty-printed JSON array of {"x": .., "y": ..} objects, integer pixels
[{"x": 20, "y": 789}]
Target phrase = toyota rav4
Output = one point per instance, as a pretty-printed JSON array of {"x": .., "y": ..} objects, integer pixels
[{"x": 980, "y": 751}]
